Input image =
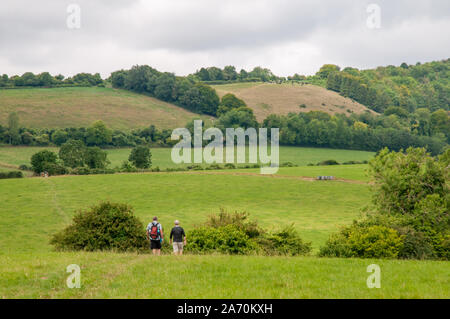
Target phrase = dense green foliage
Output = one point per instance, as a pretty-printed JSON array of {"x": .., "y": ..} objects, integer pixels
[
  {"x": 362, "y": 132},
  {"x": 228, "y": 102},
  {"x": 234, "y": 233},
  {"x": 364, "y": 241},
  {"x": 409, "y": 87},
  {"x": 409, "y": 217},
  {"x": 42, "y": 160},
  {"x": 106, "y": 226},
  {"x": 141, "y": 157},
  {"x": 74, "y": 154}
]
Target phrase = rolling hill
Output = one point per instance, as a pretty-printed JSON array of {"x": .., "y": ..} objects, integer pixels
[
  {"x": 270, "y": 98},
  {"x": 121, "y": 109},
  {"x": 80, "y": 106}
]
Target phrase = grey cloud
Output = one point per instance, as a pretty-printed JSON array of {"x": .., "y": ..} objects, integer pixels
[{"x": 115, "y": 34}]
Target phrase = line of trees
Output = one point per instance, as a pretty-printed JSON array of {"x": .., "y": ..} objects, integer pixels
[
  {"x": 362, "y": 132},
  {"x": 339, "y": 131},
  {"x": 229, "y": 74},
  {"x": 45, "y": 79},
  {"x": 74, "y": 157},
  {"x": 98, "y": 134}
]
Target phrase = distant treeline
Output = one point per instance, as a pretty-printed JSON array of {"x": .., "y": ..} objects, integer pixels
[
  {"x": 359, "y": 132},
  {"x": 98, "y": 134},
  {"x": 214, "y": 75},
  {"x": 45, "y": 79},
  {"x": 317, "y": 129}
]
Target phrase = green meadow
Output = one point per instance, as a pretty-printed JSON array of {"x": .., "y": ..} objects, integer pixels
[
  {"x": 32, "y": 209},
  {"x": 14, "y": 156},
  {"x": 111, "y": 275}
]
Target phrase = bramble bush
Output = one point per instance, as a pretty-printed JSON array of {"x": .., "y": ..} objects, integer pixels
[{"x": 106, "y": 226}]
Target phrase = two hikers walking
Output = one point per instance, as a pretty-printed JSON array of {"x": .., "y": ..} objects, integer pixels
[{"x": 156, "y": 236}]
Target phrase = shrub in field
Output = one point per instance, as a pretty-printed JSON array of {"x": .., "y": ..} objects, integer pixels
[
  {"x": 213, "y": 167},
  {"x": 141, "y": 157},
  {"x": 195, "y": 167},
  {"x": 54, "y": 168},
  {"x": 25, "y": 167},
  {"x": 39, "y": 159},
  {"x": 239, "y": 219},
  {"x": 227, "y": 239},
  {"x": 107, "y": 226},
  {"x": 283, "y": 242},
  {"x": 128, "y": 167},
  {"x": 234, "y": 233},
  {"x": 288, "y": 164},
  {"x": 364, "y": 241},
  {"x": 80, "y": 171},
  {"x": 11, "y": 174},
  {"x": 328, "y": 162}
]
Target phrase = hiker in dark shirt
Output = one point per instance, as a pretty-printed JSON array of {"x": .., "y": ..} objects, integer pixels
[{"x": 179, "y": 238}]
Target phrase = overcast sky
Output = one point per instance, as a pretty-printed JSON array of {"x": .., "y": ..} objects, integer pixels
[{"x": 287, "y": 36}]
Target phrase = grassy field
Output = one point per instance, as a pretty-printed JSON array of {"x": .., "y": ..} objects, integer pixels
[
  {"x": 109, "y": 275},
  {"x": 76, "y": 107},
  {"x": 33, "y": 209},
  {"x": 315, "y": 208},
  {"x": 269, "y": 98},
  {"x": 12, "y": 157}
]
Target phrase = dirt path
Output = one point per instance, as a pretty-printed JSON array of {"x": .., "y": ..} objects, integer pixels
[{"x": 55, "y": 200}]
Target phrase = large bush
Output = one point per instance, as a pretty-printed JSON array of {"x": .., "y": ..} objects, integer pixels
[
  {"x": 364, "y": 241},
  {"x": 234, "y": 233},
  {"x": 227, "y": 239},
  {"x": 107, "y": 226},
  {"x": 42, "y": 160},
  {"x": 409, "y": 217}
]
